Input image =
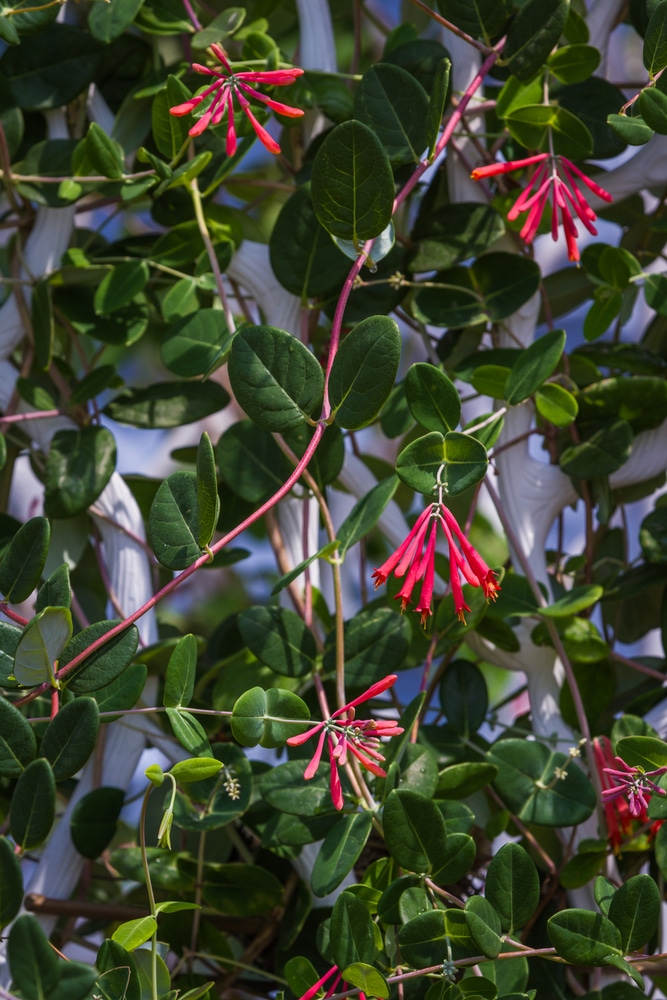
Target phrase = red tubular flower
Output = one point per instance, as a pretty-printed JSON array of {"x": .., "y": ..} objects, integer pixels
[
  {"x": 227, "y": 84},
  {"x": 559, "y": 177},
  {"x": 362, "y": 737},
  {"x": 415, "y": 559},
  {"x": 619, "y": 782}
]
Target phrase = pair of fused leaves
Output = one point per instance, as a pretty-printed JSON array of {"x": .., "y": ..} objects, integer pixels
[
  {"x": 280, "y": 384},
  {"x": 649, "y": 114},
  {"x": 185, "y": 511}
]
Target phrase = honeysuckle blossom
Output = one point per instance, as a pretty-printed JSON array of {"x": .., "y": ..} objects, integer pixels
[
  {"x": 229, "y": 85},
  {"x": 415, "y": 560},
  {"x": 556, "y": 176},
  {"x": 343, "y": 733},
  {"x": 625, "y": 791}
]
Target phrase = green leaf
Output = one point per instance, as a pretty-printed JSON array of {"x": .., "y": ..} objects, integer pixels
[
  {"x": 643, "y": 751},
  {"x": 33, "y": 962},
  {"x": 279, "y": 639},
  {"x": 53, "y": 69},
  {"x": 339, "y": 852},
  {"x": 8, "y": 32},
  {"x": 275, "y": 378},
  {"x": 208, "y": 501},
  {"x": 79, "y": 465},
  {"x": 196, "y": 344},
  {"x": 485, "y": 925},
  {"x": 179, "y": 680},
  {"x": 250, "y": 461},
  {"x": 364, "y": 371},
  {"x": 241, "y": 890},
  {"x": 11, "y": 883},
  {"x": 104, "y": 153},
  {"x": 119, "y": 287},
  {"x": 268, "y": 717},
  {"x": 95, "y": 820},
  {"x": 483, "y": 19},
  {"x": 122, "y": 693},
  {"x": 70, "y": 737},
  {"x": 106, "y": 663},
  {"x": 352, "y": 184},
  {"x": 556, "y": 404},
  {"x": 365, "y": 514},
  {"x": 284, "y": 789},
  {"x": 189, "y": 732},
  {"x": 352, "y": 936},
  {"x": 653, "y": 536},
  {"x": 527, "y": 783},
  {"x": 492, "y": 289},
  {"x": 167, "y": 404},
  {"x": 119, "y": 979},
  {"x": 33, "y": 806},
  {"x": 285, "y": 580},
  {"x": 453, "y": 234},
  {"x": 534, "y": 366},
  {"x": 533, "y": 34},
  {"x": 602, "y": 453},
  {"x": 376, "y": 643},
  {"x": 515, "y": 94},
  {"x": 432, "y": 398},
  {"x": 634, "y": 131},
  {"x": 18, "y": 745},
  {"x": 653, "y": 109},
  {"x": 195, "y": 769},
  {"x": 366, "y": 978},
  {"x": 458, "y": 781},
  {"x": 655, "y": 40},
  {"x": 635, "y": 910},
  {"x": 133, "y": 933},
  {"x": 459, "y": 459},
  {"x": 422, "y": 939},
  {"x": 414, "y": 831},
  {"x": 170, "y": 132},
  {"x": 23, "y": 562},
  {"x": 464, "y": 697},
  {"x": 173, "y": 522},
  {"x": 583, "y": 937},
  {"x": 512, "y": 887},
  {"x": 575, "y": 600},
  {"x": 574, "y": 63},
  {"x": 395, "y": 106},
  {"x": 107, "y": 22},
  {"x": 40, "y": 646},
  {"x": 436, "y": 103},
  {"x": 303, "y": 258},
  {"x": 533, "y": 124},
  {"x": 43, "y": 324}
]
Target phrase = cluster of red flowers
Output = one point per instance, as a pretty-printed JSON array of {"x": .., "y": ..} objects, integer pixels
[
  {"x": 415, "y": 559},
  {"x": 342, "y": 732},
  {"x": 559, "y": 177},
  {"x": 229, "y": 85},
  {"x": 621, "y": 781}
]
